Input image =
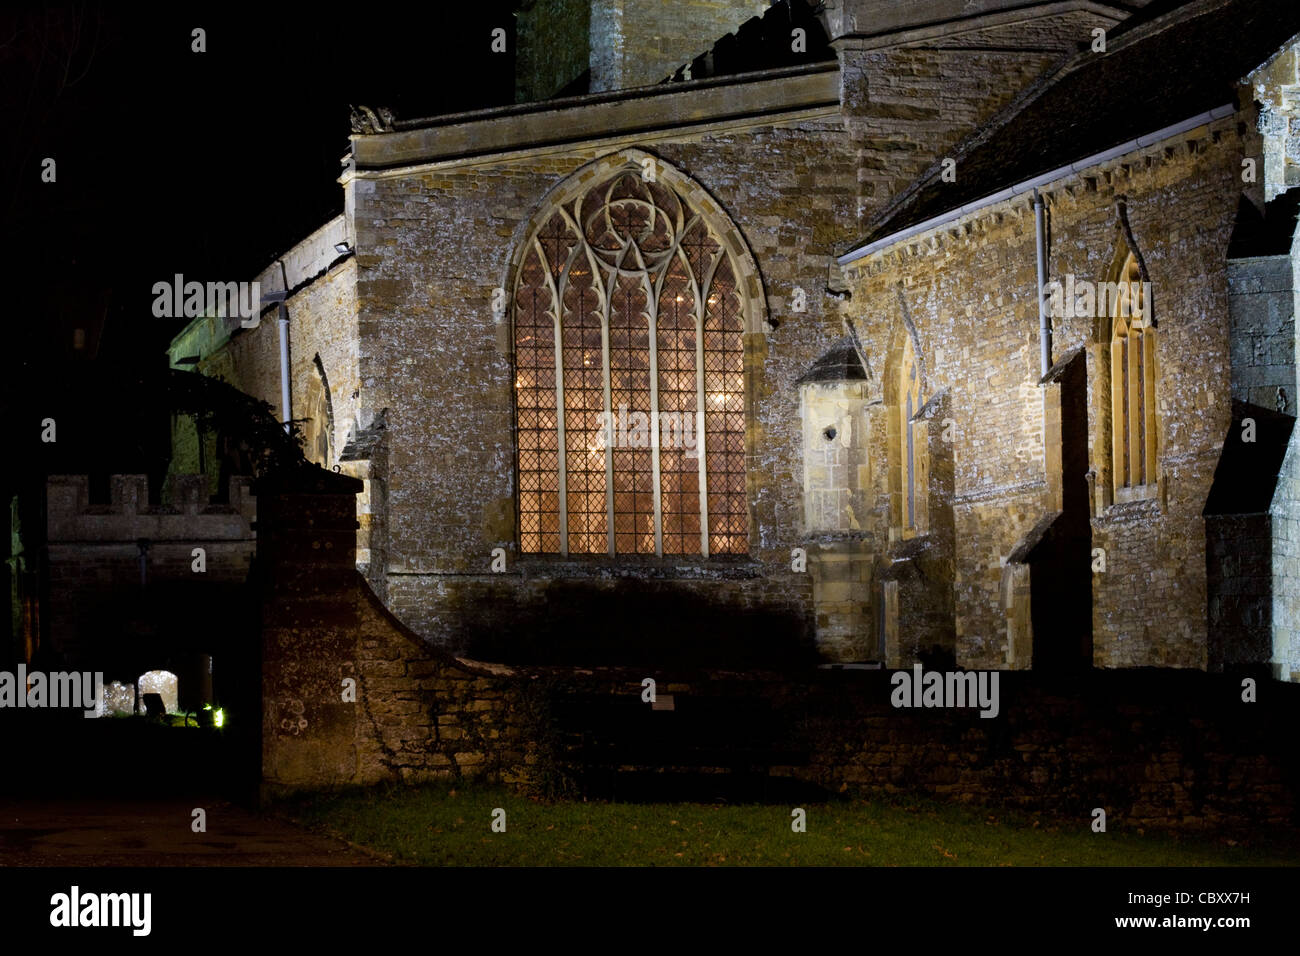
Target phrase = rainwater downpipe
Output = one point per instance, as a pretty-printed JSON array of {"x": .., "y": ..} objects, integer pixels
[
  {"x": 284, "y": 348},
  {"x": 1044, "y": 326}
]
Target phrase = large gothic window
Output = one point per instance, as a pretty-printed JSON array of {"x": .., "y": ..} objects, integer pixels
[
  {"x": 1132, "y": 381},
  {"x": 630, "y": 379}
]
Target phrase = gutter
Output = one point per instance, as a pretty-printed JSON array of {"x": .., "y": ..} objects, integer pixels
[{"x": 1141, "y": 142}]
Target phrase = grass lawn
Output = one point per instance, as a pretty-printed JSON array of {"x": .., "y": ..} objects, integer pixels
[{"x": 445, "y": 826}]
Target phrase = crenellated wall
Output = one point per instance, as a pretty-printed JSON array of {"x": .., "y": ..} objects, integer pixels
[
  {"x": 187, "y": 516},
  {"x": 110, "y": 564}
]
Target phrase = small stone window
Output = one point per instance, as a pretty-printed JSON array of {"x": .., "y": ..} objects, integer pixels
[{"x": 1132, "y": 381}]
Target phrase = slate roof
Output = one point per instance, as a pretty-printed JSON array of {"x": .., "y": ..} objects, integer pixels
[{"x": 1160, "y": 68}]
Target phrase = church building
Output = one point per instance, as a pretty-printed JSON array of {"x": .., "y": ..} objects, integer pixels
[{"x": 860, "y": 332}]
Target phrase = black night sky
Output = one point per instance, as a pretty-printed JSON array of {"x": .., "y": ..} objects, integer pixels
[{"x": 207, "y": 164}]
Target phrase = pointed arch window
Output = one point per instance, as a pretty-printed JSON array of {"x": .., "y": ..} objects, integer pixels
[
  {"x": 629, "y": 382},
  {"x": 318, "y": 428},
  {"x": 910, "y": 382},
  {"x": 1132, "y": 378},
  {"x": 909, "y": 512}
]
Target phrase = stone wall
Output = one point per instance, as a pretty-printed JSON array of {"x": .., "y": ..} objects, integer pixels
[
  {"x": 322, "y": 311},
  {"x": 1239, "y": 578},
  {"x": 907, "y": 103},
  {"x": 836, "y": 476},
  {"x": 1284, "y": 524},
  {"x": 98, "y": 591},
  {"x": 1284, "y": 515},
  {"x": 920, "y": 569},
  {"x": 640, "y": 42},
  {"x": 437, "y": 216},
  {"x": 835, "y": 466},
  {"x": 322, "y": 322},
  {"x": 969, "y": 290},
  {"x": 1260, "y": 301},
  {"x": 436, "y": 356},
  {"x": 1276, "y": 86},
  {"x": 412, "y": 712},
  {"x": 552, "y": 38},
  {"x": 420, "y": 362},
  {"x": 939, "y": 18},
  {"x": 1263, "y": 312},
  {"x": 1150, "y": 747}
]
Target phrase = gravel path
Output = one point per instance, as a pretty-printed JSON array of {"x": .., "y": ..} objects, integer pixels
[{"x": 86, "y": 833}]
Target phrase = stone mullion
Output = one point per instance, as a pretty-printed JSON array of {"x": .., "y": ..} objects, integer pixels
[
  {"x": 605, "y": 318},
  {"x": 652, "y": 317},
  {"x": 561, "y": 462},
  {"x": 559, "y": 397},
  {"x": 557, "y": 298},
  {"x": 654, "y": 291},
  {"x": 700, "y": 293},
  {"x": 606, "y": 294},
  {"x": 676, "y": 250},
  {"x": 561, "y": 288},
  {"x": 701, "y": 440}
]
